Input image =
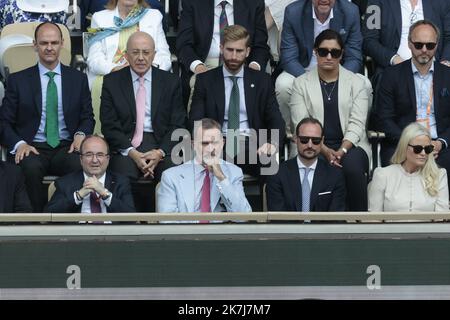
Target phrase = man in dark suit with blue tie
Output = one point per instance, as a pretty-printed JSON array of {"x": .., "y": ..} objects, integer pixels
[
  {"x": 307, "y": 182},
  {"x": 46, "y": 114}
]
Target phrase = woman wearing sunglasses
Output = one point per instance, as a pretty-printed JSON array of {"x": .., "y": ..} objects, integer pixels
[
  {"x": 339, "y": 99},
  {"x": 413, "y": 182}
]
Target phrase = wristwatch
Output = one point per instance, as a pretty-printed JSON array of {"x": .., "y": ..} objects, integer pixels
[{"x": 344, "y": 149}]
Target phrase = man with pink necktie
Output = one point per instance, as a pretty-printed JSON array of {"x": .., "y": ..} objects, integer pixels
[
  {"x": 140, "y": 107},
  {"x": 207, "y": 183}
]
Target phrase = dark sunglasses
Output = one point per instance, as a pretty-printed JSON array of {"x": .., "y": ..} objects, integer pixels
[
  {"x": 418, "y": 149},
  {"x": 305, "y": 140},
  {"x": 429, "y": 45},
  {"x": 323, "y": 52}
]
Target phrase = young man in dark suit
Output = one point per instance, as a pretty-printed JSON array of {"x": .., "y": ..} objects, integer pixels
[
  {"x": 307, "y": 182},
  {"x": 46, "y": 114},
  {"x": 94, "y": 189},
  {"x": 239, "y": 98},
  {"x": 201, "y": 30}
]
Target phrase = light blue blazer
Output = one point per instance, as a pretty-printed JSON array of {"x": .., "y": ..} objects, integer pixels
[{"x": 177, "y": 190}]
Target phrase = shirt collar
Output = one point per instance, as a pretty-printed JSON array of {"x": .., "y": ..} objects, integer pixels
[
  {"x": 227, "y": 73},
  {"x": 217, "y": 2},
  {"x": 416, "y": 71},
  {"x": 330, "y": 16},
  {"x": 147, "y": 75},
  {"x": 301, "y": 165},
  {"x": 101, "y": 179},
  {"x": 43, "y": 70}
]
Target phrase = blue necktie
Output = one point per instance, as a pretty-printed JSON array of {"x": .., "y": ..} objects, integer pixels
[{"x": 306, "y": 191}]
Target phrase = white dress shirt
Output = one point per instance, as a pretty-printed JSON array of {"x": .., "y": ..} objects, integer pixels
[
  {"x": 408, "y": 18},
  {"x": 318, "y": 28}
]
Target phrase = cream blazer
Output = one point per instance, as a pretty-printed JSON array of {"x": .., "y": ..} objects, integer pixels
[
  {"x": 354, "y": 96},
  {"x": 393, "y": 189},
  {"x": 101, "y": 53}
]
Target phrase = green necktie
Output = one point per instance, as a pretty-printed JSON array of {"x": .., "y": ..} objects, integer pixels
[
  {"x": 51, "y": 125},
  {"x": 233, "y": 116}
]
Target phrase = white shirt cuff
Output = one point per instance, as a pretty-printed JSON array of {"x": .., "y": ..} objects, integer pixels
[
  {"x": 391, "y": 62},
  {"x": 125, "y": 152},
  {"x": 13, "y": 151},
  {"x": 194, "y": 65},
  {"x": 256, "y": 64}
]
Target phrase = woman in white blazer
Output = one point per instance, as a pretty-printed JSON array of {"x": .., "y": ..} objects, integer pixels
[
  {"x": 413, "y": 182},
  {"x": 340, "y": 100},
  {"x": 107, "y": 48}
]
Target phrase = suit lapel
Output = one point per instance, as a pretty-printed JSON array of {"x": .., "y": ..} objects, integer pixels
[
  {"x": 188, "y": 192},
  {"x": 318, "y": 181},
  {"x": 128, "y": 90},
  {"x": 250, "y": 95},
  {"x": 397, "y": 14},
  {"x": 66, "y": 89},
  {"x": 109, "y": 182},
  {"x": 410, "y": 83},
  {"x": 344, "y": 92},
  {"x": 209, "y": 26},
  {"x": 308, "y": 31},
  {"x": 35, "y": 81},
  {"x": 156, "y": 91},
  {"x": 336, "y": 23},
  {"x": 294, "y": 183},
  {"x": 219, "y": 89},
  {"x": 315, "y": 95}
]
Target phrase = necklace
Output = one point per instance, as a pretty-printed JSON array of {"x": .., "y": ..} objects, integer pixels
[{"x": 324, "y": 85}]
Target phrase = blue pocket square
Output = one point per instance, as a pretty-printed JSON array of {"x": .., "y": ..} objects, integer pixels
[{"x": 444, "y": 92}]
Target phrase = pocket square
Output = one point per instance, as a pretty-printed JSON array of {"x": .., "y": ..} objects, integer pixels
[
  {"x": 342, "y": 31},
  {"x": 444, "y": 92},
  {"x": 323, "y": 193}
]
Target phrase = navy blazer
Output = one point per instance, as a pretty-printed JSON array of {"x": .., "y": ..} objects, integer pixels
[
  {"x": 197, "y": 25},
  {"x": 382, "y": 43},
  {"x": 208, "y": 100},
  {"x": 63, "y": 201},
  {"x": 22, "y": 105},
  {"x": 297, "y": 36},
  {"x": 397, "y": 100},
  {"x": 284, "y": 191},
  {"x": 13, "y": 193}
]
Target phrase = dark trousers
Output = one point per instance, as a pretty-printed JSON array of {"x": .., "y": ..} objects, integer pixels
[
  {"x": 143, "y": 194},
  {"x": 355, "y": 165},
  {"x": 388, "y": 149},
  {"x": 50, "y": 161},
  {"x": 255, "y": 168}
]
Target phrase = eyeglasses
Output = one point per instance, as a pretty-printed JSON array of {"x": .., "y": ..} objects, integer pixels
[
  {"x": 90, "y": 155},
  {"x": 428, "y": 45},
  {"x": 418, "y": 149},
  {"x": 323, "y": 52},
  {"x": 305, "y": 140}
]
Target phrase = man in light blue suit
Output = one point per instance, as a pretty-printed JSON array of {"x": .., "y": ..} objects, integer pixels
[
  {"x": 207, "y": 183},
  {"x": 303, "y": 21}
]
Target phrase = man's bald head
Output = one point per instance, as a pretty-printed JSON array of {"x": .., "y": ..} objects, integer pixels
[{"x": 140, "y": 52}]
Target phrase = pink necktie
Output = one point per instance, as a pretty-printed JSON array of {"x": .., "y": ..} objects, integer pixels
[
  {"x": 205, "y": 204},
  {"x": 140, "y": 114}
]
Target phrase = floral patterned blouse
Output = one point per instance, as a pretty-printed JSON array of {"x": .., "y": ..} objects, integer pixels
[{"x": 10, "y": 13}]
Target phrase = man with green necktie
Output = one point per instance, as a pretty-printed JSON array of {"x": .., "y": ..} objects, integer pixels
[
  {"x": 243, "y": 101},
  {"x": 46, "y": 114}
]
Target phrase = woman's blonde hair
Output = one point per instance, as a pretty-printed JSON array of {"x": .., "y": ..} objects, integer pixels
[
  {"x": 430, "y": 171},
  {"x": 112, "y": 4}
]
